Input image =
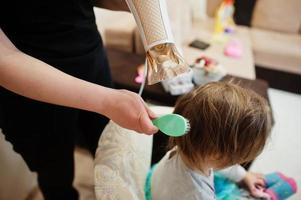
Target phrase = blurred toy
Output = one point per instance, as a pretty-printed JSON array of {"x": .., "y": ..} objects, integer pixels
[
  {"x": 233, "y": 49},
  {"x": 140, "y": 74},
  {"x": 207, "y": 70},
  {"x": 175, "y": 86},
  {"x": 179, "y": 85},
  {"x": 224, "y": 22},
  {"x": 279, "y": 186}
]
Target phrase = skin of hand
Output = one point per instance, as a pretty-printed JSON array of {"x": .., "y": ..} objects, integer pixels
[
  {"x": 255, "y": 184},
  {"x": 35, "y": 79},
  {"x": 129, "y": 110}
]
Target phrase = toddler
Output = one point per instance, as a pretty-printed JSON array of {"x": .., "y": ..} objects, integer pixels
[{"x": 229, "y": 126}]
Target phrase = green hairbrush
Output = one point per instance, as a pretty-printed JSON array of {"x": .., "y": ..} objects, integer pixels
[{"x": 172, "y": 125}]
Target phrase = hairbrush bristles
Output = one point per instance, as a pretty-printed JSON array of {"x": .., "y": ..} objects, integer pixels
[{"x": 188, "y": 126}]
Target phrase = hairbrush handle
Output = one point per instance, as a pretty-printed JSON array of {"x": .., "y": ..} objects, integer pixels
[{"x": 173, "y": 125}]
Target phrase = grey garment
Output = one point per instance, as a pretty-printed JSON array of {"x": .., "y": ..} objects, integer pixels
[{"x": 172, "y": 180}]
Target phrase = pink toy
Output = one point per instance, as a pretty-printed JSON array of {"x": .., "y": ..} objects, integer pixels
[
  {"x": 279, "y": 186},
  {"x": 139, "y": 79},
  {"x": 140, "y": 74},
  {"x": 233, "y": 49}
]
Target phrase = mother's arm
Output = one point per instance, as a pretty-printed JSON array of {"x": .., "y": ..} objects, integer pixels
[{"x": 35, "y": 79}]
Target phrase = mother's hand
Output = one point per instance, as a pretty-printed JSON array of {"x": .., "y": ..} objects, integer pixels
[{"x": 129, "y": 111}]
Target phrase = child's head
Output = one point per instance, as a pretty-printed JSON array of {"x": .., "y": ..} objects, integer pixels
[{"x": 229, "y": 124}]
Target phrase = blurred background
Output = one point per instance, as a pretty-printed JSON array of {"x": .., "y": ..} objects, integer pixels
[{"x": 257, "y": 42}]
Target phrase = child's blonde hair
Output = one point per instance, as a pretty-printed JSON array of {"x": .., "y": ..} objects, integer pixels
[{"x": 229, "y": 124}]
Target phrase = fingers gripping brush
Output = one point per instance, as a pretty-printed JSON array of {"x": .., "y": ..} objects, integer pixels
[{"x": 173, "y": 125}]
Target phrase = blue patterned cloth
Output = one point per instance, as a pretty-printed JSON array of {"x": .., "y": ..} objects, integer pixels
[
  {"x": 225, "y": 189},
  {"x": 148, "y": 183}
]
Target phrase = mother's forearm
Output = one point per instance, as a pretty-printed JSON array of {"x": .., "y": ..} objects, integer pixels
[
  {"x": 35, "y": 79},
  {"x": 32, "y": 78}
]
